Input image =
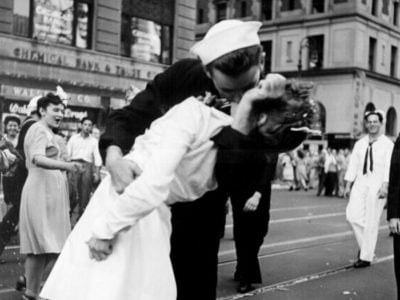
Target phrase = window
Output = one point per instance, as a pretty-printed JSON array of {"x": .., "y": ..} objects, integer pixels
[
  {"x": 393, "y": 61},
  {"x": 243, "y": 9},
  {"x": 267, "y": 48},
  {"x": 290, "y": 5},
  {"x": 221, "y": 11},
  {"x": 289, "y": 51},
  {"x": 374, "y": 7},
  {"x": 200, "y": 16},
  {"x": 145, "y": 39},
  {"x": 21, "y": 20},
  {"x": 315, "y": 51},
  {"x": 391, "y": 122},
  {"x": 63, "y": 22},
  {"x": 266, "y": 9},
  {"x": 372, "y": 54},
  {"x": 385, "y": 7},
  {"x": 318, "y": 6},
  {"x": 340, "y": 1},
  {"x": 395, "y": 13}
]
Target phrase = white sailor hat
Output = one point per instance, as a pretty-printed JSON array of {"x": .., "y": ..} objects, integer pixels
[{"x": 225, "y": 37}]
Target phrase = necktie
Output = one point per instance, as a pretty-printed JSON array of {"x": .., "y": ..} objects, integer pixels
[{"x": 368, "y": 153}]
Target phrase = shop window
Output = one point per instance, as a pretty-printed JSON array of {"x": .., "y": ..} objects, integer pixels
[
  {"x": 221, "y": 11},
  {"x": 287, "y": 5},
  {"x": 267, "y": 48},
  {"x": 391, "y": 122},
  {"x": 393, "y": 61},
  {"x": 318, "y": 6},
  {"x": 372, "y": 54},
  {"x": 266, "y": 8},
  {"x": 396, "y": 13},
  {"x": 146, "y": 40},
  {"x": 315, "y": 51},
  {"x": 21, "y": 12},
  {"x": 66, "y": 22}
]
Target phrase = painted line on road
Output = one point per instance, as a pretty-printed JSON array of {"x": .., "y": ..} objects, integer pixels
[
  {"x": 229, "y": 262},
  {"x": 298, "y": 280},
  {"x": 303, "y": 207},
  {"x": 303, "y": 240},
  {"x": 11, "y": 247},
  {"x": 301, "y": 218},
  {"x": 6, "y": 291}
]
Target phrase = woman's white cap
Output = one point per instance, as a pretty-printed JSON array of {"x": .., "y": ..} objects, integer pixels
[
  {"x": 225, "y": 37},
  {"x": 32, "y": 106}
]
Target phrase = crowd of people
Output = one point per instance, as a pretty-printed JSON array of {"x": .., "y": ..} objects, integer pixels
[
  {"x": 321, "y": 170},
  {"x": 203, "y": 131}
]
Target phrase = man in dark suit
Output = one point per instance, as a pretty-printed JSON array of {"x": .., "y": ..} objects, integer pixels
[
  {"x": 393, "y": 208},
  {"x": 230, "y": 62}
]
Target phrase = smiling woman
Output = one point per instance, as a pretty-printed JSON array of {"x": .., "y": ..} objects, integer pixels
[{"x": 44, "y": 213}]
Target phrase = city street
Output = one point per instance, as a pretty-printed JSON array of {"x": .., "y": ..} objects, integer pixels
[{"x": 306, "y": 255}]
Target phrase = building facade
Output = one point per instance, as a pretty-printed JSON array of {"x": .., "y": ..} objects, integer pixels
[
  {"x": 94, "y": 49},
  {"x": 348, "y": 48}
]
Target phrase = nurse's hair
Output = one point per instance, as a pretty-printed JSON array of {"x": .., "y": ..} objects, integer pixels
[{"x": 45, "y": 101}]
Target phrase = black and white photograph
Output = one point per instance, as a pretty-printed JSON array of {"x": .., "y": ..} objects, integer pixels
[{"x": 199, "y": 149}]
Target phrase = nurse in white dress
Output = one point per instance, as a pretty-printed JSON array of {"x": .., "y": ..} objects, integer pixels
[{"x": 177, "y": 158}]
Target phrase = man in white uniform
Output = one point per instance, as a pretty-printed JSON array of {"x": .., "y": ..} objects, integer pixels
[{"x": 368, "y": 171}]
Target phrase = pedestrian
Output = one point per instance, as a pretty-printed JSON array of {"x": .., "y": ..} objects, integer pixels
[
  {"x": 83, "y": 148},
  {"x": 393, "y": 209},
  {"x": 11, "y": 126},
  {"x": 11, "y": 129},
  {"x": 230, "y": 62},
  {"x": 288, "y": 171},
  {"x": 8, "y": 226},
  {"x": 44, "y": 219},
  {"x": 321, "y": 170},
  {"x": 177, "y": 157},
  {"x": 342, "y": 168},
  {"x": 368, "y": 173},
  {"x": 301, "y": 170},
  {"x": 330, "y": 168}
]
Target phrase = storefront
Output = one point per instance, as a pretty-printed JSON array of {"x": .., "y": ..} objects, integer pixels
[{"x": 15, "y": 99}]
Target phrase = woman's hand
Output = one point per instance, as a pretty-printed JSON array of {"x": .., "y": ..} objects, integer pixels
[
  {"x": 99, "y": 249},
  {"x": 75, "y": 167}
]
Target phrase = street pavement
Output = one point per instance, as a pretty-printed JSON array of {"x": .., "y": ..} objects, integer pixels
[{"x": 307, "y": 254}]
